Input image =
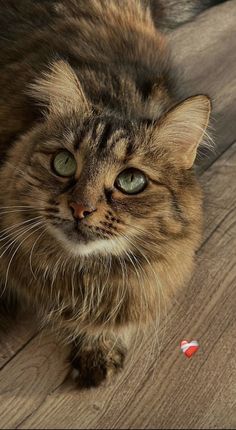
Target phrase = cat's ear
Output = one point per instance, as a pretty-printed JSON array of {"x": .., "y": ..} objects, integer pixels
[
  {"x": 182, "y": 129},
  {"x": 59, "y": 89}
]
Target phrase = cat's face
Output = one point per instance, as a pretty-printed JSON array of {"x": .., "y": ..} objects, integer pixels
[
  {"x": 98, "y": 185},
  {"x": 103, "y": 185},
  {"x": 93, "y": 181}
]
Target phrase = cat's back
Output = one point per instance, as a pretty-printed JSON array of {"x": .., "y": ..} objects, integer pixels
[
  {"x": 105, "y": 41},
  {"x": 19, "y": 20},
  {"x": 96, "y": 27}
]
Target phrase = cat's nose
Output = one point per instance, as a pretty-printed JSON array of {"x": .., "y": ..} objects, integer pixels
[{"x": 81, "y": 211}]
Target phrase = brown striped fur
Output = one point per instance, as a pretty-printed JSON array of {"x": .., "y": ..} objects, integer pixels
[{"x": 95, "y": 78}]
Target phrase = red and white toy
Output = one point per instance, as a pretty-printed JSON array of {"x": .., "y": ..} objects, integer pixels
[{"x": 189, "y": 348}]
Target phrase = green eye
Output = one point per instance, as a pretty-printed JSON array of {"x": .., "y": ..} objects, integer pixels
[
  {"x": 64, "y": 164},
  {"x": 131, "y": 181}
]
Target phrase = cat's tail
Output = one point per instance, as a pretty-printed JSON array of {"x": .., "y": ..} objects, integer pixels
[{"x": 169, "y": 14}]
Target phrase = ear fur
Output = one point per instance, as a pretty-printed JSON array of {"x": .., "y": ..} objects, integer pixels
[
  {"x": 182, "y": 129},
  {"x": 59, "y": 89}
]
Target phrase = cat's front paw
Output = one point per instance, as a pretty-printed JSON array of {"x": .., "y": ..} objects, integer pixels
[{"x": 96, "y": 365}]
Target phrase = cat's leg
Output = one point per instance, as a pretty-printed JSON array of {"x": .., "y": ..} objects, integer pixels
[{"x": 98, "y": 358}]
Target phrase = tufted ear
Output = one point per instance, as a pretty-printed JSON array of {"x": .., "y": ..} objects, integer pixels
[
  {"x": 59, "y": 89},
  {"x": 182, "y": 129}
]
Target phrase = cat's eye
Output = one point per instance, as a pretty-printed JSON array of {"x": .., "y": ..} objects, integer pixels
[
  {"x": 131, "y": 181},
  {"x": 64, "y": 164}
]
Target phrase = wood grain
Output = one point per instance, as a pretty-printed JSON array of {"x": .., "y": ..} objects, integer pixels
[
  {"x": 12, "y": 340},
  {"x": 218, "y": 193},
  {"x": 28, "y": 378}
]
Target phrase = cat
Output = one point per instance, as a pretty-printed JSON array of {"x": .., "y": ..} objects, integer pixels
[{"x": 101, "y": 212}]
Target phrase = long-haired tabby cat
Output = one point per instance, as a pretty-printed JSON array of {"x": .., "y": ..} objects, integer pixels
[{"x": 100, "y": 211}]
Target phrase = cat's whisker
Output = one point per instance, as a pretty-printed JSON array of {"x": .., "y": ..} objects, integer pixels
[
  {"x": 54, "y": 275},
  {"x": 143, "y": 241},
  {"x": 106, "y": 282},
  {"x": 73, "y": 287},
  {"x": 32, "y": 250},
  {"x": 17, "y": 206},
  {"x": 16, "y": 211},
  {"x": 145, "y": 232},
  {"x": 16, "y": 236},
  {"x": 14, "y": 253},
  {"x": 6, "y": 231}
]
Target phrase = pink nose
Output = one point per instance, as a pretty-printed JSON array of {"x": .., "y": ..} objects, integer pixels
[{"x": 80, "y": 211}]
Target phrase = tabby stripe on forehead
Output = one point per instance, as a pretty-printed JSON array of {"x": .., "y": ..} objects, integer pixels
[
  {"x": 130, "y": 148},
  {"x": 82, "y": 132},
  {"x": 105, "y": 135},
  {"x": 113, "y": 136},
  {"x": 119, "y": 134}
]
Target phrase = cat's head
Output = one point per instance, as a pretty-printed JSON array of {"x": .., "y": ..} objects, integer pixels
[{"x": 104, "y": 184}]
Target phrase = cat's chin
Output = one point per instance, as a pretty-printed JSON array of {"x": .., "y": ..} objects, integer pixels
[{"x": 87, "y": 247}]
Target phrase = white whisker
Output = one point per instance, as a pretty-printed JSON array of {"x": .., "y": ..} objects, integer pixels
[
  {"x": 31, "y": 252},
  {"x": 14, "y": 253}
]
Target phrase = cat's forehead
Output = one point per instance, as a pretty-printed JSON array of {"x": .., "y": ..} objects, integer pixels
[{"x": 104, "y": 135}]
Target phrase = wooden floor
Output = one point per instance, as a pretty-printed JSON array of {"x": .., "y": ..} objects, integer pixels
[{"x": 159, "y": 388}]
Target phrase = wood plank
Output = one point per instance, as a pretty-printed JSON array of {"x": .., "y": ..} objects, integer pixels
[
  {"x": 163, "y": 390},
  {"x": 218, "y": 185},
  {"x": 14, "y": 334},
  {"x": 28, "y": 378},
  {"x": 204, "y": 51}
]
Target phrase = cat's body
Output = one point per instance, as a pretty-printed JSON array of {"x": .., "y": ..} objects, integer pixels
[{"x": 94, "y": 260}]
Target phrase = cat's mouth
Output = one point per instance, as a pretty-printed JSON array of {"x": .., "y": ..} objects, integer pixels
[
  {"x": 83, "y": 240},
  {"x": 79, "y": 232}
]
